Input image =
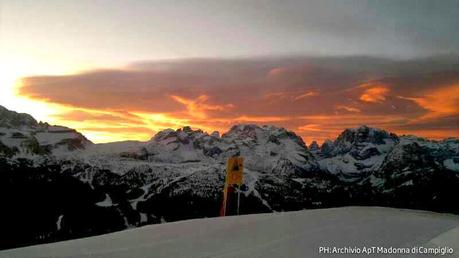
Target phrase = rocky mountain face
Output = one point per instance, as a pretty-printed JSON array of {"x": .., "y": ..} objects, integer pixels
[
  {"x": 55, "y": 184},
  {"x": 22, "y": 135},
  {"x": 356, "y": 152}
]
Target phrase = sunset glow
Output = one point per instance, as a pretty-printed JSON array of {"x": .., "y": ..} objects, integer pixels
[{"x": 313, "y": 113}]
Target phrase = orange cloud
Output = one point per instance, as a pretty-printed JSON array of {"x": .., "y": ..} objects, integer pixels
[
  {"x": 311, "y": 128},
  {"x": 374, "y": 94},
  {"x": 274, "y": 96},
  {"x": 295, "y": 96},
  {"x": 261, "y": 119},
  {"x": 158, "y": 96},
  {"x": 439, "y": 102},
  {"x": 349, "y": 109},
  {"x": 199, "y": 107},
  {"x": 306, "y": 95}
]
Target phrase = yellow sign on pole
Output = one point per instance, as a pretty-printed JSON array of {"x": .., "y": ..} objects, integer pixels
[{"x": 234, "y": 171}]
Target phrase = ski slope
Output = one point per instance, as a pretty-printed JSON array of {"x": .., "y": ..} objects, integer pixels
[{"x": 288, "y": 234}]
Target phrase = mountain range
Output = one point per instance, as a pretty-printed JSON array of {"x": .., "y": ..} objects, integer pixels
[{"x": 55, "y": 184}]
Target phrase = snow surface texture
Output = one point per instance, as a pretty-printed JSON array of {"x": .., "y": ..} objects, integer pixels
[{"x": 287, "y": 234}]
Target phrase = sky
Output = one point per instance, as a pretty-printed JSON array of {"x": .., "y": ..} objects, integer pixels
[{"x": 118, "y": 70}]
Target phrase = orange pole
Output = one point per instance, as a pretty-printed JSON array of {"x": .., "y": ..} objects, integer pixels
[{"x": 225, "y": 197}]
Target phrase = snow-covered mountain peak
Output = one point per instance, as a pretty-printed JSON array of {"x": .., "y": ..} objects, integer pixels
[
  {"x": 263, "y": 147},
  {"x": 269, "y": 148},
  {"x": 364, "y": 142},
  {"x": 326, "y": 148},
  {"x": 444, "y": 151},
  {"x": 181, "y": 145},
  {"x": 215, "y": 134},
  {"x": 314, "y": 147},
  {"x": 21, "y": 135},
  {"x": 251, "y": 133},
  {"x": 364, "y": 134},
  {"x": 357, "y": 150},
  {"x": 183, "y": 135},
  {"x": 243, "y": 132},
  {"x": 12, "y": 119}
]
